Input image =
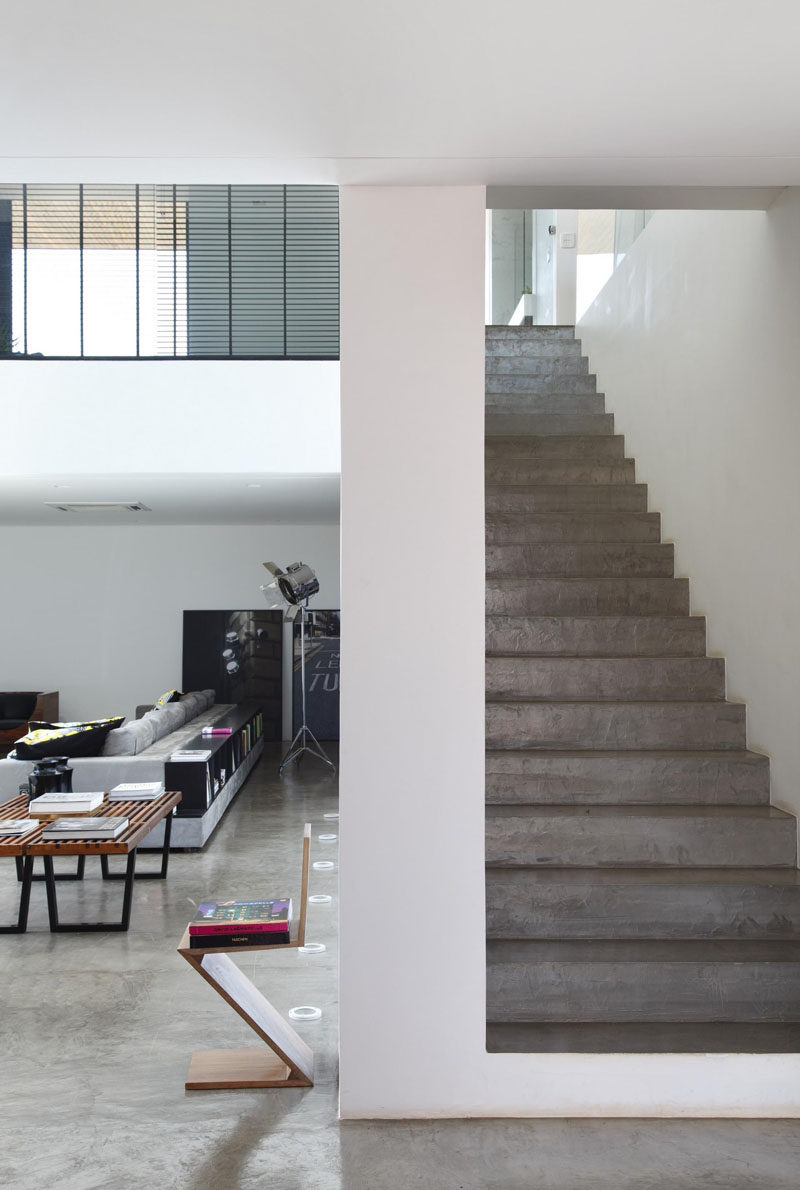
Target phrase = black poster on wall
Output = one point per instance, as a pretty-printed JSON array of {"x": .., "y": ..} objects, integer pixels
[
  {"x": 322, "y": 674},
  {"x": 239, "y": 655}
]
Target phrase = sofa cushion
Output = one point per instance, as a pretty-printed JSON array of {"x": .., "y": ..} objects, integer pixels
[
  {"x": 166, "y": 719},
  {"x": 130, "y": 739},
  {"x": 194, "y": 703},
  {"x": 66, "y": 739}
]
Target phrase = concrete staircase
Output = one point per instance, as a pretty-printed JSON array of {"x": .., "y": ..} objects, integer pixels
[{"x": 642, "y": 894}]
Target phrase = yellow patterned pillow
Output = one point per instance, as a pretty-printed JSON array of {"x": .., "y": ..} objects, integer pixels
[
  {"x": 167, "y": 696},
  {"x": 66, "y": 739}
]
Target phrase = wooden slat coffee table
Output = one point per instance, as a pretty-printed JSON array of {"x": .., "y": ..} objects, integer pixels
[{"x": 143, "y": 818}]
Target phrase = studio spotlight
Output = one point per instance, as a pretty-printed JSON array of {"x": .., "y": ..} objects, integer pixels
[{"x": 296, "y": 584}]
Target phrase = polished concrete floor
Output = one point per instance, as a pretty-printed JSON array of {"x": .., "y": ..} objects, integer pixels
[{"x": 97, "y": 1031}]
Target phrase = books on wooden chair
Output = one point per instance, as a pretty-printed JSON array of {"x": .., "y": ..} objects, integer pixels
[{"x": 241, "y": 923}]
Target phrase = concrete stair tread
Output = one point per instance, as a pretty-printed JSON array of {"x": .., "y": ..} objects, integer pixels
[
  {"x": 643, "y": 1038},
  {"x": 582, "y": 559},
  {"x": 592, "y": 487},
  {"x": 650, "y": 877},
  {"x": 635, "y": 810},
  {"x": 573, "y": 527},
  {"x": 577, "y": 636},
  {"x": 548, "y": 472},
  {"x": 604, "y": 679},
  {"x": 548, "y": 424},
  {"x": 531, "y": 443},
  {"x": 506, "y": 756},
  {"x": 550, "y": 658},
  {"x": 646, "y": 950},
  {"x": 523, "y": 701}
]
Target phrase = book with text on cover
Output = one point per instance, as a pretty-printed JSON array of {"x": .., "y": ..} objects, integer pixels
[
  {"x": 251, "y": 917},
  {"x": 236, "y": 938}
]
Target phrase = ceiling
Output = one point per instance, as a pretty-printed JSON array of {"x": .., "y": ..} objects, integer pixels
[
  {"x": 189, "y": 499},
  {"x": 627, "y": 92}
]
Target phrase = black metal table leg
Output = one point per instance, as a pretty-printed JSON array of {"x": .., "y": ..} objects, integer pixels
[
  {"x": 24, "y": 875},
  {"x": 161, "y": 874},
  {"x": 58, "y": 927},
  {"x": 76, "y": 875}
]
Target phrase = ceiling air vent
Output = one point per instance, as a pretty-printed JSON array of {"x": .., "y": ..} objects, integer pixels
[{"x": 98, "y": 505}]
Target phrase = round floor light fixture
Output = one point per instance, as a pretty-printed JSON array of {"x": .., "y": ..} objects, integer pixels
[{"x": 305, "y": 1012}]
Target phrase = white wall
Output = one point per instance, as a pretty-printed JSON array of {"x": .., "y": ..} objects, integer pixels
[
  {"x": 278, "y": 416},
  {"x": 695, "y": 343},
  {"x": 97, "y": 612},
  {"x": 412, "y": 850}
]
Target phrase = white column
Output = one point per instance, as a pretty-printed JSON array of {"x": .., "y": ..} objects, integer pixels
[
  {"x": 412, "y": 702},
  {"x": 412, "y": 821}
]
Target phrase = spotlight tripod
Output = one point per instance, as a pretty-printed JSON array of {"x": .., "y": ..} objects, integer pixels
[{"x": 300, "y": 744}]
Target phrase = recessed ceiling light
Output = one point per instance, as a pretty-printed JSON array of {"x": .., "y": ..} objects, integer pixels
[
  {"x": 252, "y": 485},
  {"x": 62, "y": 485}
]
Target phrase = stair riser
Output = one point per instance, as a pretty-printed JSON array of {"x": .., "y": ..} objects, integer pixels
[
  {"x": 531, "y": 365},
  {"x": 520, "y": 348},
  {"x": 558, "y": 471},
  {"x": 548, "y": 403},
  {"x": 597, "y": 636},
  {"x": 628, "y": 497},
  {"x": 585, "y": 597},
  {"x": 602, "y": 560},
  {"x": 614, "y": 726},
  {"x": 530, "y": 334},
  {"x": 634, "y": 991},
  {"x": 551, "y": 404},
  {"x": 572, "y": 528},
  {"x": 589, "y": 448},
  {"x": 521, "y": 908},
  {"x": 622, "y": 779},
  {"x": 640, "y": 841},
  {"x": 621, "y": 679},
  {"x": 644, "y": 1038},
  {"x": 549, "y": 424},
  {"x": 525, "y": 386}
]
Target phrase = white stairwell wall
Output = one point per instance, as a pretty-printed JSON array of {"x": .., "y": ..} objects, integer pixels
[
  {"x": 413, "y": 1003},
  {"x": 695, "y": 343}
]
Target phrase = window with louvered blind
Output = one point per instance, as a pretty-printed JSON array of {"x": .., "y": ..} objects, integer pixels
[{"x": 125, "y": 271}]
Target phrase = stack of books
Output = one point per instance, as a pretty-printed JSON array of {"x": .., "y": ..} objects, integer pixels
[
  {"x": 17, "y": 826},
  {"x": 84, "y": 828},
  {"x": 65, "y": 803},
  {"x": 191, "y": 754},
  {"x": 241, "y": 923},
  {"x": 136, "y": 791}
]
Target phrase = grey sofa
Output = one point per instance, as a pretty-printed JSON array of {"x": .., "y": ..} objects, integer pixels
[{"x": 134, "y": 752}]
